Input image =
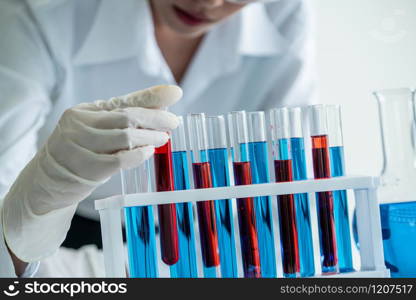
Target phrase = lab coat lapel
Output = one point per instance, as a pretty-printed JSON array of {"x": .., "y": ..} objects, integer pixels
[
  {"x": 259, "y": 36},
  {"x": 110, "y": 39},
  {"x": 216, "y": 57},
  {"x": 113, "y": 39}
]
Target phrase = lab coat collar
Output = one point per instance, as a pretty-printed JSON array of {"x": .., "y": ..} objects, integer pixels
[
  {"x": 258, "y": 35},
  {"x": 249, "y": 33},
  {"x": 108, "y": 40}
]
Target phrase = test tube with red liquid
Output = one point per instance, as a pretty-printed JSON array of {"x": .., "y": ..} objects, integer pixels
[
  {"x": 169, "y": 244},
  {"x": 206, "y": 209},
  {"x": 245, "y": 206},
  {"x": 279, "y": 119},
  {"x": 325, "y": 202}
]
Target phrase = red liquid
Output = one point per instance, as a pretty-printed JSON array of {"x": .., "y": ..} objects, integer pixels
[
  {"x": 321, "y": 170},
  {"x": 287, "y": 215},
  {"x": 206, "y": 216},
  {"x": 167, "y": 212},
  {"x": 247, "y": 223}
]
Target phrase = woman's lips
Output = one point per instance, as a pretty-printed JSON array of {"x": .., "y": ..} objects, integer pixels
[{"x": 189, "y": 18}]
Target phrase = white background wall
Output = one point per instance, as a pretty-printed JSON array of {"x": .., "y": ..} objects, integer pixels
[{"x": 364, "y": 45}]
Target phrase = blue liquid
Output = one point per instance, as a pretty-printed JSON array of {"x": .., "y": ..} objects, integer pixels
[
  {"x": 260, "y": 171},
  {"x": 141, "y": 242},
  {"x": 342, "y": 224},
  {"x": 398, "y": 222},
  {"x": 303, "y": 219},
  {"x": 284, "y": 147},
  {"x": 186, "y": 267},
  {"x": 225, "y": 228}
]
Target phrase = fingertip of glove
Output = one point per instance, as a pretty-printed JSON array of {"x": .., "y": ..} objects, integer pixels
[
  {"x": 162, "y": 139},
  {"x": 158, "y": 96},
  {"x": 130, "y": 159},
  {"x": 148, "y": 151},
  {"x": 168, "y": 94},
  {"x": 175, "y": 121}
]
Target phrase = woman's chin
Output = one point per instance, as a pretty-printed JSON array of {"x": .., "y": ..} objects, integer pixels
[{"x": 187, "y": 31}]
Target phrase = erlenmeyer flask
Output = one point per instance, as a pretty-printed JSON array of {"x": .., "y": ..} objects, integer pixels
[{"x": 397, "y": 194}]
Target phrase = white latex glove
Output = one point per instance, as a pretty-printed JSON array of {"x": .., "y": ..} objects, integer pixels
[{"x": 91, "y": 143}]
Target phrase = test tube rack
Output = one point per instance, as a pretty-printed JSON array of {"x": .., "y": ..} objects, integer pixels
[{"x": 367, "y": 210}]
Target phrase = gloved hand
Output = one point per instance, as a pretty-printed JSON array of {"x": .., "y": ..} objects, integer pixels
[{"x": 91, "y": 142}]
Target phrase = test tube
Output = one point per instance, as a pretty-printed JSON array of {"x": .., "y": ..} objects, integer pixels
[
  {"x": 279, "y": 119},
  {"x": 218, "y": 158},
  {"x": 206, "y": 209},
  {"x": 140, "y": 225},
  {"x": 341, "y": 216},
  {"x": 259, "y": 159},
  {"x": 325, "y": 203},
  {"x": 186, "y": 267},
  {"x": 167, "y": 212},
  {"x": 302, "y": 205},
  {"x": 245, "y": 206}
]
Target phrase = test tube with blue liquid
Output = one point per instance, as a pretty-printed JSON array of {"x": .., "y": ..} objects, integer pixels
[
  {"x": 341, "y": 216},
  {"x": 279, "y": 119},
  {"x": 239, "y": 140},
  {"x": 325, "y": 201},
  {"x": 259, "y": 159},
  {"x": 140, "y": 225},
  {"x": 302, "y": 205},
  {"x": 186, "y": 267},
  {"x": 219, "y": 160},
  {"x": 202, "y": 175}
]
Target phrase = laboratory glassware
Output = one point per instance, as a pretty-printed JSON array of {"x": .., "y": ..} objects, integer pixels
[
  {"x": 237, "y": 125},
  {"x": 259, "y": 159},
  {"x": 279, "y": 120},
  {"x": 302, "y": 203},
  {"x": 167, "y": 212},
  {"x": 341, "y": 215},
  {"x": 219, "y": 159},
  {"x": 186, "y": 267},
  {"x": 397, "y": 193},
  {"x": 325, "y": 203},
  {"x": 140, "y": 225},
  {"x": 203, "y": 179}
]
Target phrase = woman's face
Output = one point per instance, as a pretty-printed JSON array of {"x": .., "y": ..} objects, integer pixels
[{"x": 192, "y": 18}]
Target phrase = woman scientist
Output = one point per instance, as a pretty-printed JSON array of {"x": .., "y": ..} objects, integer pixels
[{"x": 59, "y": 147}]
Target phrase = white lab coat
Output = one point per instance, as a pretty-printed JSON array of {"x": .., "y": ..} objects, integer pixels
[{"x": 56, "y": 54}]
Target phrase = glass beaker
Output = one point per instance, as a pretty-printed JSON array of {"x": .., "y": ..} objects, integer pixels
[{"x": 397, "y": 194}]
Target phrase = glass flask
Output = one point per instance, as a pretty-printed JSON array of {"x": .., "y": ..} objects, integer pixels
[{"x": 397, "y": 193}]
